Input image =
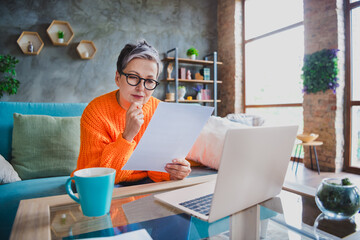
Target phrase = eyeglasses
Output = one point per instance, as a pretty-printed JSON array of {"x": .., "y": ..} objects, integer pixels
[{"x": 134, "y": 80}]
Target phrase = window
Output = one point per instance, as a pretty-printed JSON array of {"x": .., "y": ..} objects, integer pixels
[
  {"x": 274, "y": 53},
  {"x": 352, "y": 140}
]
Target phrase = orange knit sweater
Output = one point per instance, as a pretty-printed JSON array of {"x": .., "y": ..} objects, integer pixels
[{"x": 101, "y": 141}]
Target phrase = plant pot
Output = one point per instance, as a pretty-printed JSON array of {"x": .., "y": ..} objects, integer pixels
[
  {"x": 170, "y": 96},
  {"x": 337, "y": 201},
  {"x": 192, "y": 57},
  {"x": 60, "y": 40},
  {"x": 198, "y": 96}
]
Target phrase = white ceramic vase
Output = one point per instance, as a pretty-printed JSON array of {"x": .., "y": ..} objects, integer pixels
[
  {"x": 60, "y": 40},
  {"x": 198, "y": 96},
  {"x": 181, "y": 93},
  {"x": 193, "y": 57}
]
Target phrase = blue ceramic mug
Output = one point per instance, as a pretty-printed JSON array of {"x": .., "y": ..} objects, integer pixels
[{"x": 95, "y": 187}]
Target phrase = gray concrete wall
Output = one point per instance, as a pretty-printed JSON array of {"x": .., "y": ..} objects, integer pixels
[{"x": 58, "y": 74}]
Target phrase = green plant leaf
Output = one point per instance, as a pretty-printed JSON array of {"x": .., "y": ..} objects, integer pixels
[
  {"x": 320, "y": 71},
  {"x": 8, "y": 83}
]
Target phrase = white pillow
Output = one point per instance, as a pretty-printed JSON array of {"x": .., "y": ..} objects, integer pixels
[
  {"x": 247, "y": 119},
  {"x": 207, "y": 148},
  {"x": 7, "y": 172}
]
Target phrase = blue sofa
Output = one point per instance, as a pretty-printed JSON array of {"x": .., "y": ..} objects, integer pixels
[{"x": 12, "y": 193}]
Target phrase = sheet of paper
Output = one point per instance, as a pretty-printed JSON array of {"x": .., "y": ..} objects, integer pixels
[
  {"x": 171, "y": 133},
  {"x": 141, "y": 234}
]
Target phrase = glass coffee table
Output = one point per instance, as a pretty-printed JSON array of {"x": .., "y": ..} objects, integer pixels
[{"x": 287, "y": 216}]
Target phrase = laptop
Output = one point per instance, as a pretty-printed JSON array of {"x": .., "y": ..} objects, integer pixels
[{"x": 252, "y": 169}]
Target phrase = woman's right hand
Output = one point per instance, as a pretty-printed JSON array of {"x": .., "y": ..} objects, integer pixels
[{"x": 134, "y": 121}]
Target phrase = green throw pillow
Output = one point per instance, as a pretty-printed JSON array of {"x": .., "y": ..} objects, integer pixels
[{"x": 45, "y": 146}]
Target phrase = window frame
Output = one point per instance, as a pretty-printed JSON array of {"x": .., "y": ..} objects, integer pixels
[
  {"x": 301, "y": 23},
  {"x": 349, "y": 103},
  {"x": 291, "y": 26}
]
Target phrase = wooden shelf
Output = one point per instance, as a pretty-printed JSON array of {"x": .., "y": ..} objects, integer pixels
[
  {"x": 23, "y": 42},
  {"x": 193, "y": 81},
  {"x": 193, "y": 101},
  {"x": 56, "y": 26},
  {"x": 190, "y": 61},
  {"x": 86, "y": 49}
]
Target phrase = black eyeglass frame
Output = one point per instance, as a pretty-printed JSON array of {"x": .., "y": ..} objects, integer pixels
[{"x": 140, "y": 78}]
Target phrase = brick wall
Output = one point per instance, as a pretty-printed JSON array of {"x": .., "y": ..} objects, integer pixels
[
  {"x": 229, "y": 52},
  {"x": 323, "y": 112}
]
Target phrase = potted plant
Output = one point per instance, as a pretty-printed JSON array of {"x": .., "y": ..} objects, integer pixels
[
  {"x": 60, "y": 36},
  {"x": 192, "y": 53},
  {"x": 8, "y": 83},
  {"x": 338, "y": 198},
  {"x": 181, "y": 92}
]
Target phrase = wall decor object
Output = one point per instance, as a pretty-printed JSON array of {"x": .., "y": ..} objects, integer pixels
[
  {"x": 34, "y": 39},
  {"x": 86, "y": 49},
  {"x": 182, "y": 73},
  {"x": 188, "y": 75},
  {"x": 198, "y": 76},
  {"x": 181, "y": 92},
  {"x": 30, "y": 47},
  {"x": 205, "y": 72},
  {"x": 55, "y": 29},
  {"x": 320, "y": 71},
  {"x": 169, "y": 69}
]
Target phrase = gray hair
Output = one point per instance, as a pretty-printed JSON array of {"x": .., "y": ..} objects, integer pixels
[{"x": 141, "y": 50}]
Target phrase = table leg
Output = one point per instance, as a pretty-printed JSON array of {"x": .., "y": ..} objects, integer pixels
[
  {"x": 296, "y": 149},
  {"x": 311, "y": 158},
  {"x": 245, "y": 224},
  {"x": 317, "y": 161},
  {"x": 298, "y": 159}
]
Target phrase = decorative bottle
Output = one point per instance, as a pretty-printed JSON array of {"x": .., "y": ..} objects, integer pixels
[{"x": 30, "y": 47}]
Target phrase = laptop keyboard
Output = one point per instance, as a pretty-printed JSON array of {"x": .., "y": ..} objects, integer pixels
[{"x": 200, "y": 205}]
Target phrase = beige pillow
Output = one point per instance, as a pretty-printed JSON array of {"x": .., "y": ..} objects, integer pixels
[
  {"x": 207, "y": 148},
  {"x": 45, "y": 146},
  {"x": 7, "y": 172}
]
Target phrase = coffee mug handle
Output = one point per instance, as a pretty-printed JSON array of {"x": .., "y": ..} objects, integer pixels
[{"x": 70, "y": 191}]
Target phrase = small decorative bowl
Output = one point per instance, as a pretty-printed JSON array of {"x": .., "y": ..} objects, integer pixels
[
  {"x": 306, "y": 138},
  {"x": 337, "y": 201}
]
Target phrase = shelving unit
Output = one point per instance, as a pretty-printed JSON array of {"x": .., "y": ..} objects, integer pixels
[
  {"x": 86, "y": 49},
  {"x": 56, "y": 26},
  {"x": 193, "y": 101},
  {"x": 193, "y": 81},
  {"x": 34, "y": 38},
  {"x": 177, "y": 61}
]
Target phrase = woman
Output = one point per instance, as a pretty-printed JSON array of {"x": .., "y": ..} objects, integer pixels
[{"x": 113, "y": 124}]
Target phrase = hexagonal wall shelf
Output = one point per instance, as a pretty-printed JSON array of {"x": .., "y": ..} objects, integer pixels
[
  {"x": 24, "y": 42},
  {"x": 57, "y": 26},
  {"x": 86, "y": 49}
]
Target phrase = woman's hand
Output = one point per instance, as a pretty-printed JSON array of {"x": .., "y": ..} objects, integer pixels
[
  {"x": 178, "y": 169},
  {"x": 134, "y": 121}
]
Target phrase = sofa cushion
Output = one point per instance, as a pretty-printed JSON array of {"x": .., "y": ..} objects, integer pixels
[
  {"x": 7, "y": 109},
  {"x": 247, "y": 119},
  {"x": 7, "y": 172},
  {"x": 45, "y": 146},
  {"x": 207, "y": 148}
]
